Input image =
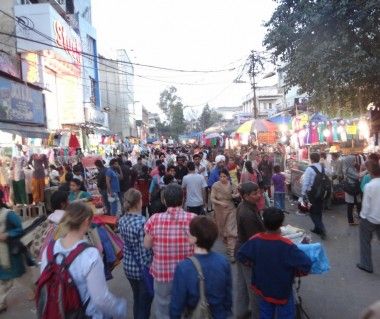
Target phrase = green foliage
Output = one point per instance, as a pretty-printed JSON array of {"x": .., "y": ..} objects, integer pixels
[
  {"x": 208, "y": 117},
  {"x": 330, "y": 50},
  {"x": 172, "y": 106}
]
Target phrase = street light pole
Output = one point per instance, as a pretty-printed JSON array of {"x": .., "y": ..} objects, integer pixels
[{"x": 255, "y": 66}]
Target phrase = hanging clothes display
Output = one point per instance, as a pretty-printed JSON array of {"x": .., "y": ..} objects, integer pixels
[
  {"x": 313, "y": 133},
  {"x": 40, "y": 164},
  {"x": 18, "y": 179},
  {"x": 73, "y": 141}
]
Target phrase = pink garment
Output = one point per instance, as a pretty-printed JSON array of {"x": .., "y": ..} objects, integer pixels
[
  {"x": 73, "y": 141},
  {"x": 248, "y": 177},
  {"x": 314, "y": 134}
]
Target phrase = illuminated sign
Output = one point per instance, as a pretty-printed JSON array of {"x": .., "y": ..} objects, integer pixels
[{"x": 68, "y": 42}]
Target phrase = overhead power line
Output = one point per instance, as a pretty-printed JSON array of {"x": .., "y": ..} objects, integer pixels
[{"x": 25, "y": 25}]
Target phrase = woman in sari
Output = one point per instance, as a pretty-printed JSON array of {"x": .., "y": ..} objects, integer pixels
[{"x": 222, "y": 197}]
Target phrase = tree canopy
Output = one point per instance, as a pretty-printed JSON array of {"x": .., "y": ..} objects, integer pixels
[
  {"x": 171, "y": 104},
  {"x": 329, "y": 49},
  {"x": 208, "y": 117}
]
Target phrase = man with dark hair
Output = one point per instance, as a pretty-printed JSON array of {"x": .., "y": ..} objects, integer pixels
[
  {"x": 138, "y": 166},
  {"x": 194, "y": 186},
  {"x": 181, "y": 169},
  {"x": 269, "y": 253},
  {"x": 370, "y": 218},
  {"x": 249, "y": 223},
  {"x": 199, "y": 168},
  {"x": 307, "y": 195},
  {"x": 167, "y": 234}
]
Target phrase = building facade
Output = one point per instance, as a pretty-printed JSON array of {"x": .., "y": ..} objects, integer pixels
[{"x": 117, "y": 95}]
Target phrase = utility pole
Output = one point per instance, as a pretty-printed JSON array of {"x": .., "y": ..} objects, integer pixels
[{"x": 255, "y": 66}]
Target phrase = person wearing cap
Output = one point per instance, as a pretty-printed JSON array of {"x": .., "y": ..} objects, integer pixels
[{"x": 220, "y": 161}]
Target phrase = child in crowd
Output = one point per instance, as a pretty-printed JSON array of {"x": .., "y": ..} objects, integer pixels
[
  {"x": 275, "y": 262},
  {"x": 264, "y": 201},
  {"x": 278, "y": 181}
]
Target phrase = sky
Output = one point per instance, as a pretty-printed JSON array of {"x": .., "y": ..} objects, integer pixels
[{"x": 191, "y": 35}]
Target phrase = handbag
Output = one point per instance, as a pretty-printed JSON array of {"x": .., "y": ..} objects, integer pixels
[
  {"x": 202, "y": 309},
  {"x": 352, "y": 189},
  {"x": 146, "y": 276}
]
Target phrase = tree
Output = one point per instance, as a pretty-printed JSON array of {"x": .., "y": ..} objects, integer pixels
[
  {"x": 330, "y": 50},
  {"x": 208, "y": 117},
  {"x": 172, "y": 106}
]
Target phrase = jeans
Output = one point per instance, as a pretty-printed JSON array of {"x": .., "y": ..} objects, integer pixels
[
  {"x": 114, "y": 205},
  {"x": 279, "y": 200},
  {"x": 246, "y": 301},
  {"x": 316, "y": 216},
  {"x": 365, "y": 234},
  {"x": 121, "y": 199},
  {"x": 142, "y": 300},
  {"x": 350, "y": 209},
  {"x": 195, "y": 209},
  {"x": 272, "y": 311},
  {"x": 105, "y": 200},
  {"x": 162, "y": 296}
]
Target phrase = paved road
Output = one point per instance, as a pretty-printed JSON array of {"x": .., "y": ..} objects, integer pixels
[{"x": 341, "y": 294}]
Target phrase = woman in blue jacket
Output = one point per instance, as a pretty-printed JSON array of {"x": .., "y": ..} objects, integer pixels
[{"x": 216, "y": 270}]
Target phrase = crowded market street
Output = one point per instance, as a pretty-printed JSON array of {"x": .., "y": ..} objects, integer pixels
[{"x": 342, "y": 293}]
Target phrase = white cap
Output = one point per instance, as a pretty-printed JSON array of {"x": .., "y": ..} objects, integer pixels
[{"x": 220, "y": 158}]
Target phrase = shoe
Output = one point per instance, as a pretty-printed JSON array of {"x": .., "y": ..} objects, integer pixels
[
  {"x": 315, "y": 231},
  {"x": 353, "y": 224},
  {"x": 3, "y": 309},
  {"x": 364, "y": 269}
]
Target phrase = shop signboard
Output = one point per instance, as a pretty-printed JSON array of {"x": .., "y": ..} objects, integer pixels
[
  {"x": 95, "y": 116},
  {"x": 19, "y": 103}
]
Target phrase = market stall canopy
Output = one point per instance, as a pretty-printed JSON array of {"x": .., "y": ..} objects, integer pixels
[
  {"x": 214, "y": 129},
  {"x": 212, "y": 135},
  {"x": 260, "y": 125},
  {"x": 151, "y": 140},
  {"x": 318, "y": 117},
  {"x": 280, "y": 119}
]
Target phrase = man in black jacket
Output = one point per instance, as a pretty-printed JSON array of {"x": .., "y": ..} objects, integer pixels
[{"x": 249, "y": 223}]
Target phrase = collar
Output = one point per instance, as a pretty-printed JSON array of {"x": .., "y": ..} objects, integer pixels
[
  {"x": 174, "y": 210},
  {"x": 250, "y": 205}
]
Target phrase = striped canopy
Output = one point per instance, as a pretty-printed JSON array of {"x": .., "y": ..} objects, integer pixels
[{"x": 260, "y": 125}]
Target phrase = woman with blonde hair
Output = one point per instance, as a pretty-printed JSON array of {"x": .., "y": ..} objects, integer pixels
[
  {"x": 136, "y": 258},
  {"x": 87, "y": 269}
]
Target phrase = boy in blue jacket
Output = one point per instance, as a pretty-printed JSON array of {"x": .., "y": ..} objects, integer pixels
[{"x": 275, "y": 262}]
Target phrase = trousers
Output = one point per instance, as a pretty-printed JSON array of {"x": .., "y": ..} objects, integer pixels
[
  {"x": 38, "y": 188},
  {"x": 316, "y": 216},
  {"x": 5, "y": 287},
  {"x": 246, "y": 301},
  {"x": 279, "y": 200},
  {"x": 19, "y": 192},
  {"x": 272, "y": 311},
  {"x": 365, "y": 234},
  {"x": 142, "y": 300},
  {"x": 162, "y": 296}
]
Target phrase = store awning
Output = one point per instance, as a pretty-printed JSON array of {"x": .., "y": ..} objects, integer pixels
[{"x": 24, "y": 130}]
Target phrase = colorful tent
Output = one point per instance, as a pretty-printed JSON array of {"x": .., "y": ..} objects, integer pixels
[{"x": 260, "y": 125}]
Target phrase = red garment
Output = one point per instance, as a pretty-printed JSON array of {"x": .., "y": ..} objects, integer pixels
[
  {"x": 73, "y": 141},
  {"x": 261, "y": 203},
  {"x": 142, "y": 185},
  {"x": 154, "y": 172},
  {"x": 171, "y": 244},
  {"x": 248, "y": 177}
]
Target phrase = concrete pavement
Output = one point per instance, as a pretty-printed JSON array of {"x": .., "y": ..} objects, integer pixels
[{"x": 343, "y": 293}]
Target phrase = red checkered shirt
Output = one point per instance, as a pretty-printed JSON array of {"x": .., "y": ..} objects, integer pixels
[{"x": 170, "y": 233}]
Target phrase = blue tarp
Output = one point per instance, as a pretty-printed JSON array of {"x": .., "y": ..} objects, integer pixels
[
  {"x": 318, "y": 117},
  {"x": 280, "y": 119}
]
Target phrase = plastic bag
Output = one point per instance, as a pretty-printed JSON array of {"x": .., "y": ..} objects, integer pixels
[{"x": 316, "y": 252}]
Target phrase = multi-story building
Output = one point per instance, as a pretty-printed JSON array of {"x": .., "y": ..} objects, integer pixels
[
  {"x": 117, "y": 95},
  {"x": 51, "y": 37},
  {"x": 269, "y": 101},
  {"x": 228, "y": 112},
  {"x": 153, "y": 120}
]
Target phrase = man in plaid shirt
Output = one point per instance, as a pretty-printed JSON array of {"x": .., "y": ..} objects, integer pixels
[{"x": 168, "y": 235}]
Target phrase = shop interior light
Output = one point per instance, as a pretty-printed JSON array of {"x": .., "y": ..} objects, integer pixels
[
  {"x": 283, "y": 127},
  {"x": 326, "y": 132},
  {"x": 284, "y": 138}
]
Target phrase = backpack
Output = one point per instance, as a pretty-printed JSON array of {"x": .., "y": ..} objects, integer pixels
[
  {"x": 321, "y": 188},
  {"x": 57, "y": 296},
  {"x": 202, "y": 309}
]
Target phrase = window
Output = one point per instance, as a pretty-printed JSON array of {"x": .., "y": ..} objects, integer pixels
[
  {"x": 93, "y": 91},
  {"x": 270, "y": 106}
]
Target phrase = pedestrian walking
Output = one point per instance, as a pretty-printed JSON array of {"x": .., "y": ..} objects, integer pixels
[
  {"x": 86, "y": 270},
  {"x": 370, "y": 218},
  {"x": 102, "y": 184},
  {"x": 167, "y": 235},
  {"x": 135, "y": 256},
  {"x": 11, "y": 264},
  {"x": 142, "y": 184},
  {"x": 222, "y": 195},
  {"x": 155, "y": 187},
  {"x": 278, "y": 180},
  {"x": 309, "y": 196},
  {"x": 194, "y": 186},
  {"x": 352, "y": 178},
  {"x": 265, "y": 167},
  {"x": 216, "y": 275},
  {"x": 249, "y": 223},
  {"x": 269, "y": 253},
  {"x": 113, "y": 177},
  {"x": 249, "y": 174},
  {"x": 220, "y": 161},
  {"x": 180, "y": 170}
]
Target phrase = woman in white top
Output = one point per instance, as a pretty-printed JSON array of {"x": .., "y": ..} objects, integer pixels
[{"x": 87, "y": 269}]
